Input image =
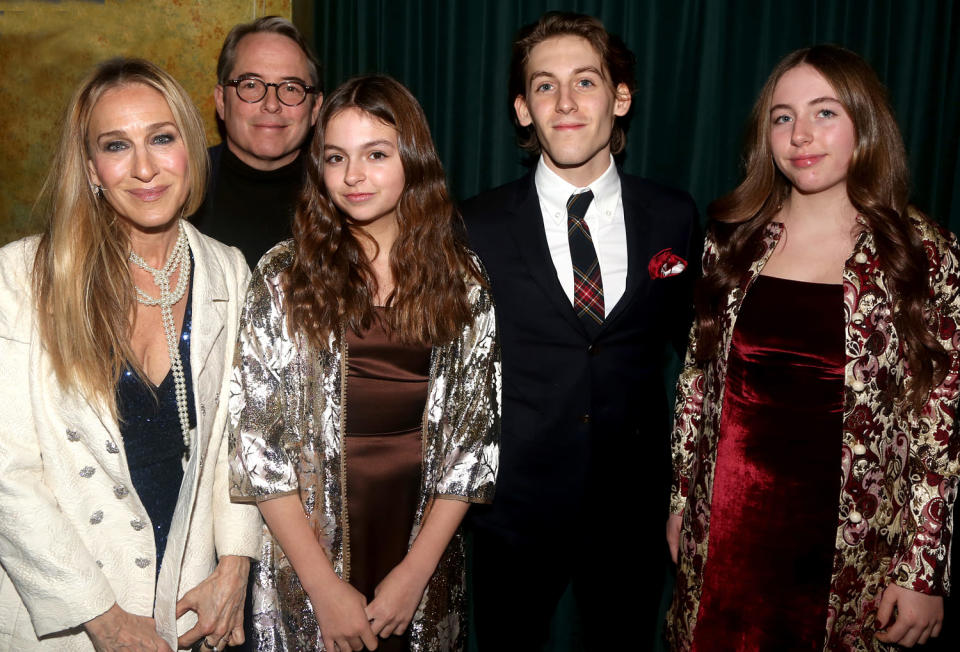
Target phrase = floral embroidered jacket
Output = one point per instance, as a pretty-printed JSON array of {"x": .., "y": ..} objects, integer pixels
[
  {"x": 288, "y": 412},
  {"x": 899, "y": 472}
]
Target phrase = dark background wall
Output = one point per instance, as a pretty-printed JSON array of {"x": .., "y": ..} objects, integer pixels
[{"x": 700, "y": 64}]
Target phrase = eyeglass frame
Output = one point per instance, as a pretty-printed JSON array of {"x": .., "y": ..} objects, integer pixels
[{"x": 308, "y": 90}]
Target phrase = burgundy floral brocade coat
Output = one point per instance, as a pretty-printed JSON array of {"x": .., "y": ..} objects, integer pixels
[{"x": 899, "y": 471}]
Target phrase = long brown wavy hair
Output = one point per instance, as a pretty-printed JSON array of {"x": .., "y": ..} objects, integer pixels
[
  {"x": 83, "y": 292},
  {"x": 331, "y": 283},
  {"x": 878, "y": 186}
]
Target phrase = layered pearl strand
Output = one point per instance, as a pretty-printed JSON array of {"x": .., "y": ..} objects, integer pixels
[{"x": 179, "y": 260}]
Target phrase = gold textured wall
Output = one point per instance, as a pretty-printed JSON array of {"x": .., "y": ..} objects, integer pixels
[{"x": 47, "y": 47}]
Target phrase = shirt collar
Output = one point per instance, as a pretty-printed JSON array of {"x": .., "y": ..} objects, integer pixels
[{"x": 555, "y": 190}]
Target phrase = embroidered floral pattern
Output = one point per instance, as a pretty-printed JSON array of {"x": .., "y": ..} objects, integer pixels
[{"x": 899, "y": 474}]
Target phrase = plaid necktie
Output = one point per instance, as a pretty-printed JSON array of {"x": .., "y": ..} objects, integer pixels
[{"x": 587, "y": 284}]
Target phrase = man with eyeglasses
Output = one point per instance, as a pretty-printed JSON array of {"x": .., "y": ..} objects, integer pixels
[{"x": 268, "y": 97}]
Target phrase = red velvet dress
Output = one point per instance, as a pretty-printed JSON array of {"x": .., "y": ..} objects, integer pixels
[
  {"x": 774, "y": 513},
  {"x": 386, "y": 393}
]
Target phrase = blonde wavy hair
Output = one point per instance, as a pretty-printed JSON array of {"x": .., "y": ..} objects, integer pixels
[{"x": 83, "y": 292}]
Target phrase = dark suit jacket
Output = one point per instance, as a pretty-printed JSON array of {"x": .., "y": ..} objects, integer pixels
[{"x": 585, "y": 421}]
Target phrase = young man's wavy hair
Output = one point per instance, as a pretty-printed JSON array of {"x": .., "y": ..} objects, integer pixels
[
  {"x": 619, "y": 66},
  {"x": 331, "y": 284},
  {"x": 83, "y": 292},
  {"x": 878, "y": 185}
]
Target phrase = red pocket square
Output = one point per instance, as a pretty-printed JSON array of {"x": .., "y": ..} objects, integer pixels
[{"x": 666, "y": 263}]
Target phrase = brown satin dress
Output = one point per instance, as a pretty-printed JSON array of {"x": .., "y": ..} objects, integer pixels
[{"x": 386, "y": 393}]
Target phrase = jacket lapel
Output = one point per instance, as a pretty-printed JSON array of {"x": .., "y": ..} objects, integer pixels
[
  {"x": 209, "y": 309},
  {"x": 526, "y": 225},
  {"x": 636, "y": 223}
]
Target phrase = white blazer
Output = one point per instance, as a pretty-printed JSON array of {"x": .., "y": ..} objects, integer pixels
[{"x": 74, "y": 536}]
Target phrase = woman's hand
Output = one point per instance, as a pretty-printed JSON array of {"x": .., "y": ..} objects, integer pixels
[
  {"x": 117, "y": 630},
  {"x": 218, "y": 603},
  {"x": 340, "y": 613},
  {"x": 395, "y": 600},
  {"x": 674, "y": 521},
  {"x": 919, "y": 616}
]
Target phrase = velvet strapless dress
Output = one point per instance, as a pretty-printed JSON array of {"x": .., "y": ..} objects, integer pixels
[{"x": 774, "y": 515}]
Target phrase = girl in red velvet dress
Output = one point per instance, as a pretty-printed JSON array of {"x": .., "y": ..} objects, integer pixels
[{"x": 814, "y": 473}]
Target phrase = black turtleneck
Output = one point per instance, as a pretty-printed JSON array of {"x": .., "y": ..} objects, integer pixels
[{"x": 248, "y": 208}]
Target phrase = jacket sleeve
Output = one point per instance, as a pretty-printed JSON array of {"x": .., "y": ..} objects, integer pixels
[
  {"x": 261, "y": 463},
  {"x": 236, "y": 526},
  {"x": 687, "y": 413},
  {"x": 41, "y": 552},
  {"x": 934, "y": 455},
  {"x": 471, "y": 418}
]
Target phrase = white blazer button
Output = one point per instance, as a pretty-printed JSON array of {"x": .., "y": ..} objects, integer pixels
[
  {"x": 857, "y": 386},
  {"x": 859, "y": 449},
  {"x": 855, "y": 517},
  {"x": 857, "y": 317},
  {"x": 860, "y": 257}
]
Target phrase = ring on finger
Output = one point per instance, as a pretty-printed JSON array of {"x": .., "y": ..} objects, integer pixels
[{"x": 207, "y": 645}]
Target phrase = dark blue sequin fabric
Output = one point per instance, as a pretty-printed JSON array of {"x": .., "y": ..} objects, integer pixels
[{"x": 152, "y": 437}]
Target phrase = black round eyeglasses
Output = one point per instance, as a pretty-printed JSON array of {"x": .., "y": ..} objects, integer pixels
[{"x": 252, "y": 90}]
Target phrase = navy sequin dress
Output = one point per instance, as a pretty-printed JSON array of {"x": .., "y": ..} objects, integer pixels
[{"x": 153, "y": 439}]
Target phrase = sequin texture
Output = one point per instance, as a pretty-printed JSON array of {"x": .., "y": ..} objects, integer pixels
[
  {"x": 153, "y": 436},
  {"x": 286, "y": 413}
]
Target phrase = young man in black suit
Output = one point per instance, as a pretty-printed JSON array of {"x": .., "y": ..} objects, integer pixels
[{"x": 592, "y": 271}]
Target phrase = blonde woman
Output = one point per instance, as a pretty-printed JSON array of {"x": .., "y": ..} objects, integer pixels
[{"x": 116, "y": 327}]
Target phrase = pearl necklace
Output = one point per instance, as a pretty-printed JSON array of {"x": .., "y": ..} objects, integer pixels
[{"x": 179, "y": 259}]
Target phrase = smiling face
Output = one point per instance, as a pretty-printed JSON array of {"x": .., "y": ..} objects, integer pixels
[
  {"x": 572, "y": 106},
  {"x": 811, "y": 134},
  {"x": 138, "y": 156},
  {"x": 362, "y": 169},
  {"x": 267, "y": 134}
]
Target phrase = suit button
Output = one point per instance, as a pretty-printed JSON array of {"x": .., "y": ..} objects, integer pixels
[
  {"x": 860, "y": 257},
  {"x": 855, "y": 517},
  {"x": 585, "y": 418},
  {"x": 857, "y": 386},
  {"x": 594, "y": 349},
  {"x": 859, "y": 449}
]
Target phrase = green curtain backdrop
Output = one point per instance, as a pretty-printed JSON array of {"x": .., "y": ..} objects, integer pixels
[{"x": 700, "y": 64}]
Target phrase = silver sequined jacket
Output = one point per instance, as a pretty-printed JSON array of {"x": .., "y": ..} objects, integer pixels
[{"x": 287, "y": 412}]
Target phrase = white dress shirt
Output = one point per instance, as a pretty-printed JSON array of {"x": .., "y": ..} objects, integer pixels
[{"x": 604, "y": 219}]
